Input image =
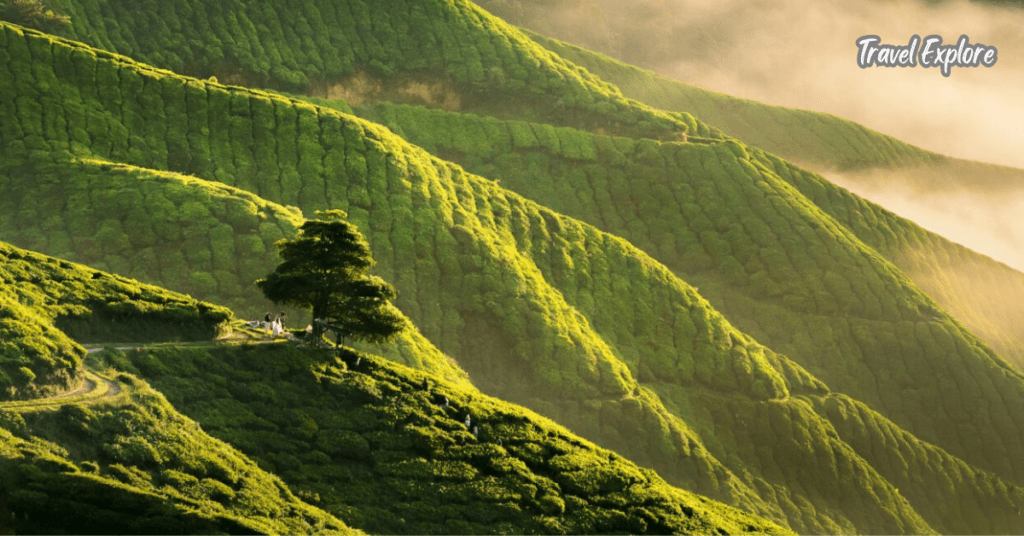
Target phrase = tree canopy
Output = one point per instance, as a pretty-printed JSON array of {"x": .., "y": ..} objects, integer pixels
[{"x": 324, "y": 269}]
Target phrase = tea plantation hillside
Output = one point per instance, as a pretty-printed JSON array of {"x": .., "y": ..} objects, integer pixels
[
  {"x": 721, "y": 215},
  {"x": 125, "y": 461},
  {"x": 202, "y": 237},
  {"x": 135, "y": 465},
  {"x": 47, "y": 302},
  {"x": 537, "y": 307},
  {"x": 199, "y": 237},
  {"x": 950, "y": 274},
  {"x": 440, "y": 52},
  {"x": 389, "y": 449},
  {"x": 950, "y": 494},
  {"x": 131, "y": 463},
  {"x": 986, "y": 295},
  {"x": 490, "y": 279}
]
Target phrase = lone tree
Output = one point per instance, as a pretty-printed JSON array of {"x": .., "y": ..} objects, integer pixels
[{"x": 325, "y": 268}]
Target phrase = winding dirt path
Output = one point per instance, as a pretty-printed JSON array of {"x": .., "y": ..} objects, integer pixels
[{"x": 95, "y": 387}]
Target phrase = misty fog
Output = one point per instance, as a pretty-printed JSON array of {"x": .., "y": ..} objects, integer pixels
[
  {"x": 987, "y": 222},
  {"x": 803, "y": 54}
]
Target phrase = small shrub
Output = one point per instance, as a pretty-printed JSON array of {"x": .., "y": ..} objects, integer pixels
[
  {"x": 217, "y": 490},
  {"x": 12, "y": 422},
  {"x": 133, "y": 451},
  {"x": 24, "y": 376}
]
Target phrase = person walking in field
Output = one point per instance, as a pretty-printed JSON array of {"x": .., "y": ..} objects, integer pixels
[{"x": 266, "y": 322}]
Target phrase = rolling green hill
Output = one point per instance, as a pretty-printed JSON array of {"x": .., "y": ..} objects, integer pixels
[
  {"x": 541, "y": 299},
  {"x": 45, "y": 302},
  {"x": 726, "y": 217},
  {"x": 125, "y": 460},
  {"x": 135, "y": 465},
  {"x": 983, "y": 294},
  {"x": 445, "y": 53},
  {"x": 128, "y": 219},
  {"x": 824, "y": 142},
  {"x": 130, "y": 463},
  {"x": 946, "y": 491},
  {"x": 490, "y": 277},
  {"x": 378, "y": 449},
  {"x": 169, "y": 229},
  {"x": 566, "y": 179}
]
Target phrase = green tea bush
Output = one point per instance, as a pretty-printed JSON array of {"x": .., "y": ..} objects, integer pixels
[
  {"x": 379, "y": 439},
  {"x": 209, "y": 239},
  {"x": 40, "y": 292},
  {"x": 143, "y": 467}
]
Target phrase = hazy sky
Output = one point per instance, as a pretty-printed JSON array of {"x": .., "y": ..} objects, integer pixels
[
  {"x": 988, "y": 224},
  {"x": 802, "y": 53}
]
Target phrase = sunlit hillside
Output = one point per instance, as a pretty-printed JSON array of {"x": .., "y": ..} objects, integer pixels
[{"x": 628, "y": 313}]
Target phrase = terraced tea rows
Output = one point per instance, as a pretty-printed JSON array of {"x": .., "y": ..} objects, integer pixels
[
  {"x": 572, "y": 361},
  {"x": 725, "y": 216},
  {"x": 538, "y": 307},
  {"x": 444, "y": 53},
  {"x": 107, "y": 448},
  {"x": 393, "y": 457}
]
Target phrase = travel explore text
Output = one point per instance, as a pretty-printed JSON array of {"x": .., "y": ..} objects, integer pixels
[{"x": 871, "y": 51}]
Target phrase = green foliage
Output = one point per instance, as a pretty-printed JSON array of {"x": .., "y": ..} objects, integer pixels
[
  {"x": 324, "y": 269},
  {"x": 959, "y": 497},
  {"x": 39, "y": 292},
  {"x": 163, "y": 215},
  {"x": 541, "y": 308},
  {"x": 482, "y": 63},
  {"x": 165, "y": 227},
  {"x": 990, "y": 310},
  {"x": 727, "y": 216},
  {"x": 12, "y": 421},
  {"x": 140, "y": 467},
  {"x": 983, "y": 294},
  {"x": 390, "y": 457}
]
